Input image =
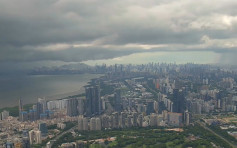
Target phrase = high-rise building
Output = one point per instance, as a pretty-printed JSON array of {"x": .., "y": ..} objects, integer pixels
[
  {"x": 32, "y": 115},
  {"x": 156, "y": 105},
  {"x": 85, "y": 124},
  {"x": 4, "y": 115},
  {"x": 43, "y": 129},
  {"x": 24, "y": 116},
  {"x": 128, "y": 121},
  {"x": 122, "y": 119},
  {"x": 196, "y": 107},
  {"x": 35, "y": 137},
  {"x": 178, "y": 101},
  {"x": 72, "y": 107},
  {"x": 93, "y": 101},
  {"x": 105, "y": 121},
  {"x": 80, "y": 123},
  {"x": 43, "y": 102},
  {"x": 159, "y": 120},
  {"x": 38, "y": 138},
  {"x": 150, "y": 107},
  {"x": 20, "y": 109},
  {"x": 153, "y": 120},
  {"x": 80, "y": 106},
  {"x": 115, "y": 120},
  {"x": 98, "y": 124},
  {"x": 31, "y": 136},
  {"x": 39, "y": 110},
  {"x": 140, "y": 120},
  {"x": 93, "y": 124},
  {"x": 134, "y": 123},
  {"x": 117, "y": 96},
  {"x": 186, "y": 117}
]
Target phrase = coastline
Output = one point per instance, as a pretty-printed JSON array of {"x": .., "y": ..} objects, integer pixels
[
  {"x": 55, "y": 96},
  {"x": 64, "y": 95}
]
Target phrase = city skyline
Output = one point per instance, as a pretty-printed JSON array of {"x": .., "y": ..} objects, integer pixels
[
  {"x": 195, "y": 104},
  {"x": 58, "y": 32},
  {"x": 118, "y": 74}
]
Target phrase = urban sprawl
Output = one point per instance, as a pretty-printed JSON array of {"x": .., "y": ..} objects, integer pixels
[{"x": 168, "y": 98}]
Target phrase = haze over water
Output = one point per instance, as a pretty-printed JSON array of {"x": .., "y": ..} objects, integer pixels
[
  {"x": 197, "y": 57},
  {"x": 29, "y": 88}
]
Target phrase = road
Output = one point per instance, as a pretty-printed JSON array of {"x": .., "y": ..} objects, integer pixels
[
  {"x": 67, "y": 131},
  {"x": 204, "y": 126}
]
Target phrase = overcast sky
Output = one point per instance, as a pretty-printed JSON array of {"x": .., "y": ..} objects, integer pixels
[{"x": 41, "y": 31}]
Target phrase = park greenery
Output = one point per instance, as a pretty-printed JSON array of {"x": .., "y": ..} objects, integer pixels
[
  {"x": 223, "y": 133},
  {"x": 106, "y": 89},
  {"x": 147, "y": 138}
]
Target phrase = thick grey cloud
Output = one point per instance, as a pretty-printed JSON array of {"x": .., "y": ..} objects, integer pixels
[{"x": 79, "y": 30}]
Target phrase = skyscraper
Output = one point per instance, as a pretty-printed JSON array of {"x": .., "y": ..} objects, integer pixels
[
  {"x": 72, "y": 107},
  {"x": 20, "y": 109},
  {"x": 178, "y": 101},
  {"x": 31, "y": 136},
  {"x": 85, "y": 124},
  {"x": 150, "y": 107},
  {"x": 43, "y": 103},
  {"x": 93, "y": 101},
  {"x": 43, "y": 129},
  {"x": 118, "y": 100},
  {"x": 38, "y": 138},
  {"x": 80, "y": 106},
  {"x": 98, "y": 124},
  {"x": 39, "y": 110},
  {"x": 80, "y": 123}
]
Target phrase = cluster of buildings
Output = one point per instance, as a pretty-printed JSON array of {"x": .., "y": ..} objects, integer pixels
[
  {"x": 147, "y": 95},
  {"x": 39, "y": 111},
  {"x": 126, "y": 120},
  {"x": 28, "y": 137}
]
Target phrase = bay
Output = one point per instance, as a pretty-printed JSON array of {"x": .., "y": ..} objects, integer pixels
[{"x": 30, "y": 88}]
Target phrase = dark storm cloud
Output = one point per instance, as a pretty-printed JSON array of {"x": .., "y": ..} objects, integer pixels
[
  {"x": 69, "y": 55},
  {"x": 79, "y": 30}
]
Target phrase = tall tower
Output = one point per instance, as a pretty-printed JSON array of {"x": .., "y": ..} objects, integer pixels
[
  {"x": 93, "y": 101},
  {"x": 43, "y": 129},
  {"x": 88, "y": 101},
  {"x": 80, "y": 106},
  {"x": 72, "y": 107},
  {"x": 117, "y": 100},
  {"x": 150, "y": 107},
  {"x": 39, "y": 109},
  {"x": 43, "y": 102},
  {"x": 20, "y": 109},
  {"x": 178, "y": 101}
]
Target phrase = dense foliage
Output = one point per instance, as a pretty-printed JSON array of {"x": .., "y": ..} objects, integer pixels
[{"x": 148, "y": 138}]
